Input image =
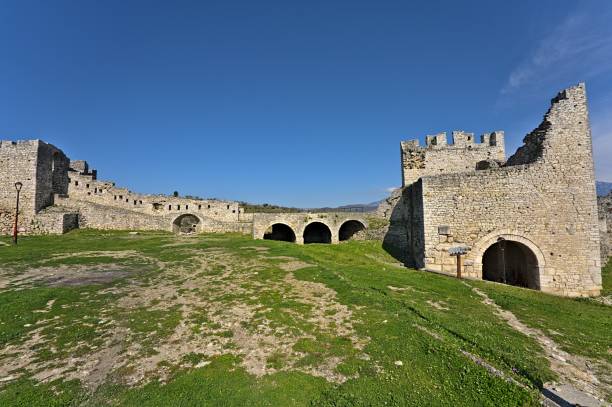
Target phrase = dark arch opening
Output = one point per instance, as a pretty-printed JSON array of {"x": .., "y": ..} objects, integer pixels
[
  {"x": 349, "y": 229},
  {"x": 317, "y": 232},
  {"x": 186, "y": 224},
  {"x": 511, "y": 263},
  {"x": 280, "y": 231}
]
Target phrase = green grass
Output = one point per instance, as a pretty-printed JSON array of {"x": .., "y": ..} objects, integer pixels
[{"x": 401, "y": 325}]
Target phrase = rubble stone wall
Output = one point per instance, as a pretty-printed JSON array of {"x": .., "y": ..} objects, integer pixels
[
  {"x": 544, "y": 198},
  {"x": 605, "y": 226},
  {"x": 440, "y": 157}
]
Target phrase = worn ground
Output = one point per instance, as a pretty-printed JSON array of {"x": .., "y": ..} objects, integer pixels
[{"x": 111, "y": 318}]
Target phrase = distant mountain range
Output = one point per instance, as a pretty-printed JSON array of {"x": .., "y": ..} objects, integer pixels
[{"x": 603, "y": 188}]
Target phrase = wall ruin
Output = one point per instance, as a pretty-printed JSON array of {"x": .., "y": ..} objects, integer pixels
[{"x": 542, "y": 198}]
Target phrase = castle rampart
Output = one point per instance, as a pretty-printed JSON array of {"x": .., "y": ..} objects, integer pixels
[
  {"x": 531, "y": 221},
  {"x": 440, "y": 157}
]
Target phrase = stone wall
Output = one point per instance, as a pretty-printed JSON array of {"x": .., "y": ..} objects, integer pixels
[
  {"x": 105, "y": 217},
  {"x": 85, "y": 187},
  {"x": 299, "y": 221},
  {"x": 18, "y": 164},
  {"x": 605, "y": 226},
  {"x": 544, "y": 199},
  {"x": 404, "y": 239},
  {"x": 440, "y": 157},
  {"x": 49, "y": 178},
  {"x": 42, "y": 169}
]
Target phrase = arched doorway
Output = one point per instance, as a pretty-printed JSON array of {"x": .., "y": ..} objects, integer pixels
[
  {"x": 280, "y": 231},
  {"x": 349, "y": 229},
  {"x": 186, "y": 224},
  {"x": 317, "y": 232},
  {"x": 511, "y": 262}
]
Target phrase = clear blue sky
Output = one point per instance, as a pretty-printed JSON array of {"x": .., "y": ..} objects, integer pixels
[{"x": 298, "y": 103}]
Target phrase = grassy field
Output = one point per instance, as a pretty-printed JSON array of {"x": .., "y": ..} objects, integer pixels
[{"x": 97, "y": 318}]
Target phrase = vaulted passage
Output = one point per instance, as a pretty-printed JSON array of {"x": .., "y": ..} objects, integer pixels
[
  {"x": 280, "y": 231},
  {"x": 349, "y": 228},
  {"x": 511, "y": 263},
  {"x": 186, "y": 224},
  {"x": 317, "y": 232}
]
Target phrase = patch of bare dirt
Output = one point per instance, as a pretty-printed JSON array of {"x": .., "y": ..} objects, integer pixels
[
  {"x": 571, "y": 369},
  {"x": 294, "y": 265},
  {"x": 65, "y": 275},
  {"x": 216, "y": 296},
  {"x": 439, "y": 305}
]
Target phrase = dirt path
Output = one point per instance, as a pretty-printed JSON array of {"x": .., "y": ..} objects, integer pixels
[{"x": 573, "y": 370}]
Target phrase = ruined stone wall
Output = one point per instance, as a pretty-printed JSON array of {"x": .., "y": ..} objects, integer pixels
[
  {"x": 99, "y": 216},
  {"x": 544, "y": 200},
  {"x": 605, "y": 226},
  {"x": 51, "y": 174},
  {"x": 440, "y": 157},
  {"x": 42, "y": 169},
  {"x": 18, "y": 164},
  {"x": 84, "y": 187},
  {"x": 404, "y": 239}
]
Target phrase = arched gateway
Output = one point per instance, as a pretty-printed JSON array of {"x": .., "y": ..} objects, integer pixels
[
  {"x": 511, "y": 262},
  {"x": 317, "y": 232},
  {"x": 186, "y": 224},
  {"x": 280, "y": 231},
  {"x": 349, "y": 229}
]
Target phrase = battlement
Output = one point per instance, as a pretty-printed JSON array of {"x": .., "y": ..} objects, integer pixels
[
  {"x": 6, "y": 144},
  {"x": 438, "y": 156},
  {"x": 459, "y": 139}
]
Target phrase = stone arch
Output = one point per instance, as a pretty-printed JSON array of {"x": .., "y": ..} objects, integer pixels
[
  {"x": 349, "y": 228},
  {"x": 317, "y": 232},
  {"x": 280, "y": 231},
  {"x": 509, "y": 258},
  {"x": 187, "y": 224}
]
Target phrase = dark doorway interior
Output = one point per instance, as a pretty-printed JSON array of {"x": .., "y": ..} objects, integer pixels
[
  {"x": 280, "y": 231},
  {"x": 186, "y": 224},
  {"x": 317, "y": 232},
  {"x": 511, "y": 263},
  {"x": 349, "y": 228}
]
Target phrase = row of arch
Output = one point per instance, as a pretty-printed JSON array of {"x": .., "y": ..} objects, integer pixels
[
  {"x": 314, "y": 232},
  {"x": 510, "y": 260}
]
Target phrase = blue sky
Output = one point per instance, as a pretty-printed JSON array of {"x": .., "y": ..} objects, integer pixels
[{"x": 294, "y": 103}]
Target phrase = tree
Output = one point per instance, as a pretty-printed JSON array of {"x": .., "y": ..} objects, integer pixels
[{"x": 175, "y": 194}]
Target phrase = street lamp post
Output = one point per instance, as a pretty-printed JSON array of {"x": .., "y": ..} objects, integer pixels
[{"x": 18, "y": 186}]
